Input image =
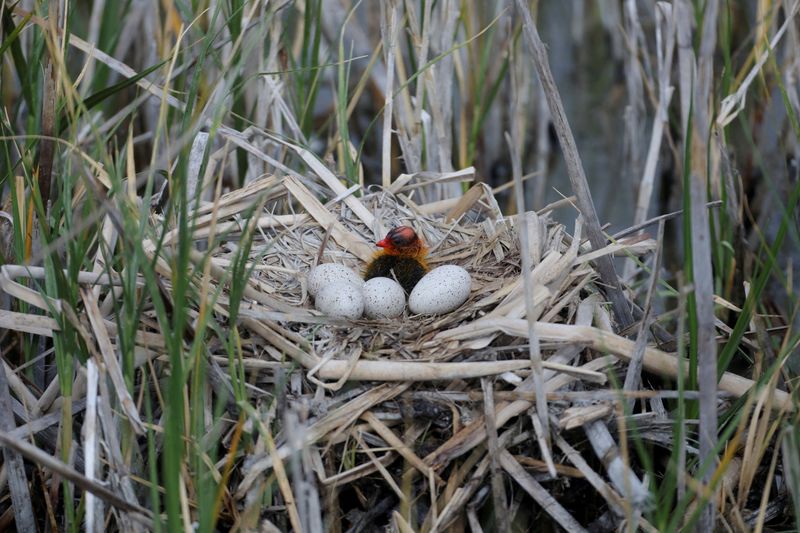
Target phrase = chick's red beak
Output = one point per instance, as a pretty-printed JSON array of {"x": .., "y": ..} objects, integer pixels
[{"x": 384, "y": 243}]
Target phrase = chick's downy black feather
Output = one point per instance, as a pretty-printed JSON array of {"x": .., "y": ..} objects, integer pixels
[{"x": 407, "y": 270}]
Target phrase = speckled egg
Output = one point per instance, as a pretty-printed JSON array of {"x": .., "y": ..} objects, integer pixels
[
  {"x": 340, "y": 299},
  {"x": 440, "y": 291},
  {"x": 383, "y": 298},
  {"x": 327, "y": 273}
]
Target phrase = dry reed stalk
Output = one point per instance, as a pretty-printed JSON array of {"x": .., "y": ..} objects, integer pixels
[
  {"x": 93, "y": 513},
  {"x": 67, "y": 472},
  {"x": 333, "y": 422},
  {"x": 389, "y": 33},
  {"x": 380, "y": 468},
  {"x": 474, "y": 434},
  {"x": 665, "y": 46},
  {"x": 14, "y": 467},
  {"x": 697, "y": 79},
  {"x": 654, "y": 360},
  {"x": 332, "y": 182},
  {"x": 604, "y": 489},
  {"x": 439, "y": 90},
  {"x": 402, "y": 525},
  {"x": 574, "y": 166},
  {"x": 462, "y": 494},
  {"x": 600, "y": 395},
  {"x": 494, "y": 451},
  {"x": 542, "y": 423},
  {"x": 42, "y": 423},
  {"x": 28, "y": 323},
  {"x": 388, "y": 435},
  {"x": 403, "y": 182},
  {"x": 575, "y": 417},
  {"x": 625, "y": 481},
  {"x": 354, "y": 244},
  {"x": 538, "y": 493},
  {"x": 358, "y": 472},
  {"x": 707, "y": 346},
  {"x": 633, "y": 375},
  {"x": 635, "y": 74},
  {"x": 419, "y": 371},
  {"x": 109, "y": 359},
  {"x": 420, "y": 30}
]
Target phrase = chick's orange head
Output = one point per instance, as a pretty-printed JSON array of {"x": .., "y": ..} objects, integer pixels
[{"x": 401, "y": 239}]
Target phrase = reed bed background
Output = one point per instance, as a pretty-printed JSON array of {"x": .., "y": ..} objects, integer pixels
[{"x": 172, "y": 170}]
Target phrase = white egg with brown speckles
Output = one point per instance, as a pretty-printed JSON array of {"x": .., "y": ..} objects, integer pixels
[
  {"x": 383, "y": 298},
  {"x": 441, "y": 290},
  {"x": 327, "y": 273},
  {"x": 340, "y": 299}
]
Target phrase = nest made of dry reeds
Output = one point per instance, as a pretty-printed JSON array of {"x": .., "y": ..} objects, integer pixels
[
  {"x": 422, "y": 408},
  {"x": 434, "y": 401}
]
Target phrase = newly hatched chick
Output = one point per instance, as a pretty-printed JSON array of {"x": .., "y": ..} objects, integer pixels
[{"x": 402, "y": 258}]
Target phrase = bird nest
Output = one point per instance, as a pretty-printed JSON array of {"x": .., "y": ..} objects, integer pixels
[
  {"x": 417, "y": 408},
  {"x": 473, "y": 235},
  {"x": 412, "y": 419},
  {"x": 409, "y": 420}
]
